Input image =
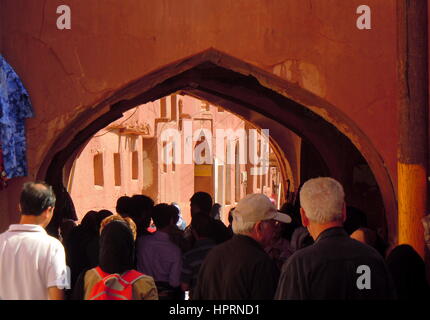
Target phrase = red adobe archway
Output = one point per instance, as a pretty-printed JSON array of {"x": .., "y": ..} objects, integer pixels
[{"x": 254, "y": 94}]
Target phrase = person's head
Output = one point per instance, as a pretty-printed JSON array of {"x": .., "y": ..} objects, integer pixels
[
  {"x": 37, "y": 202},
  {"x": 89, "y": 222},
  {"x": 141, "y": 207},
  {"x": 181, "y": 224},
  {"x": 175, "y": 214},
  {"x": 164, "y": 215},
  {"x": 230, "y": 215},
  {"x": 201, "y": 203},
  {"x": 100, "y": 216},
  {"x": 215, "y": 211},
  {"x": 130, "y": 223},
  {"x": 177, "y": 206},
  {"x": 365, "y": 235},
  {"x": 66, "y": 227},
  {"x": 256, "y": 216},
  {"x": 322, "y": 205},
  {"x": 407, "y": 269},
  {"x": 123, "y": 206},
  {"x": 104, "y": 213},
  {"x": 355, "y": 219},
  {"x": 117, "y": 237}
]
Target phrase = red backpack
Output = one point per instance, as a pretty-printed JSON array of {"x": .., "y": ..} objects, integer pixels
[{"x": 114, "y": 286}]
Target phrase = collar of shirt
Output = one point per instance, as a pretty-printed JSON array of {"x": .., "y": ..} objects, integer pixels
[
  {"x": 26, "y": 228},
  {"x": 332, "y": 232}
]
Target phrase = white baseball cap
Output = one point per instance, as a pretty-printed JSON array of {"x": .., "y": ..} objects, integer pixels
[{"x": 257, "y": 207}]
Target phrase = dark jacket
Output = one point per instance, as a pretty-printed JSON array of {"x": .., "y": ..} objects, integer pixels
[
  {"x": 330, "y": 269},
  {"x": 238, "y": 269}
]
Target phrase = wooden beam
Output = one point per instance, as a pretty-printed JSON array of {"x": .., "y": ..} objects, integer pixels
[{"x": 413, "y": 121}]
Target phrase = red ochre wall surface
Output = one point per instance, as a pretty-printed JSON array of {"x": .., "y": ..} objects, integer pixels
[{"x": 312, "y": 45}]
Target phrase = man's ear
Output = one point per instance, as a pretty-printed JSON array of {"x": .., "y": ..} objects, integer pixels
[
  {"x": 305, "y": 220},
  {"x": 48, "y": 213},
  {"x": 258, "y": 228}
]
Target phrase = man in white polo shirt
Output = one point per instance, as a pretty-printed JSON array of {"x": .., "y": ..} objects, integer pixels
[{"x": 32, "y": 263}]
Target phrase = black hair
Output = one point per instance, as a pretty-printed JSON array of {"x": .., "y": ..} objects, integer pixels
[
  {"x": 123, "y": 206},
  {"x": 36, "y": 197},
  {"x": 175, "y": 213},
  {"x": 140, "y": 206},
  {"x": 104, "y": 213},
  {"x": 203, "y": 200},
  {"x": 163, "y": 214},
  {"x": 89, "y": 222},
  {"x": 117, "y": 247},
  {"x": 355, "y": 219},
  {"x": 408, "y": 272},
  {"x": 100, "y": 216}
]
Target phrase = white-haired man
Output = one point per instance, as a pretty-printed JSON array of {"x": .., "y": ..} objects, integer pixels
[
  {"x": 240, "y": 269},
  {"x": 335, "y": 266}
]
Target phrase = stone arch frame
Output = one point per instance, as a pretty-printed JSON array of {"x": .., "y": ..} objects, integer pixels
[{"x": 254, "y": 94}]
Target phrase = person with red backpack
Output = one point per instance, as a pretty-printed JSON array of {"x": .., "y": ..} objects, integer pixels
[{"x": 115, "y": 278}]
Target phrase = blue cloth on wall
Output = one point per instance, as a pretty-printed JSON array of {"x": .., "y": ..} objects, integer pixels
[{"x": 15, "y": 107}]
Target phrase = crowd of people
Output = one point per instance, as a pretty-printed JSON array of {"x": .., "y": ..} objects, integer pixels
[{"x": 314, "y": 248}]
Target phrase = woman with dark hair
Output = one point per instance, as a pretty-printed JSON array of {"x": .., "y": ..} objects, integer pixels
[
  {"x": 408, "y": 272},
  {"x": 115, "y": 271},
  {"x": 92, "y": 247},
  {"x": 76, "y": 245}
]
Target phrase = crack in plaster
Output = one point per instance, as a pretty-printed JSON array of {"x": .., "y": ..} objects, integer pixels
[
  {"x": 56, "y": 56},
  {"x": 43, "y": 20},
  {"x": 54, "y": 53},
  {"x": 333, "y": 40}
]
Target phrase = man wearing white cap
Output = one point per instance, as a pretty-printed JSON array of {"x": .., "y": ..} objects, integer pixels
[{"x": 240, "y": 268}]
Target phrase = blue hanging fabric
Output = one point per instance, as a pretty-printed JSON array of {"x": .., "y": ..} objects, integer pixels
[{"x": 15, "y": 107}]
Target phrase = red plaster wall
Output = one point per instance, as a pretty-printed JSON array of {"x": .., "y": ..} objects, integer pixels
[{"x": 312, "y": 43}]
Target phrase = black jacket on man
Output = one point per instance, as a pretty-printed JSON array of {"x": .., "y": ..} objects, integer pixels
[
  {"x": 330, "y": 269},
  {"x": 238, "y": 269}
]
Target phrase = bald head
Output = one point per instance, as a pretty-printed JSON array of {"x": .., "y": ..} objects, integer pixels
[{"x": 35, "y": 198}]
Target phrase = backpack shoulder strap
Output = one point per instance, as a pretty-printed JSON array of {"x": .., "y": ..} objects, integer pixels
[
  {"x": 132, "y": 276},
  {"x": 100, "y": 272}
]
